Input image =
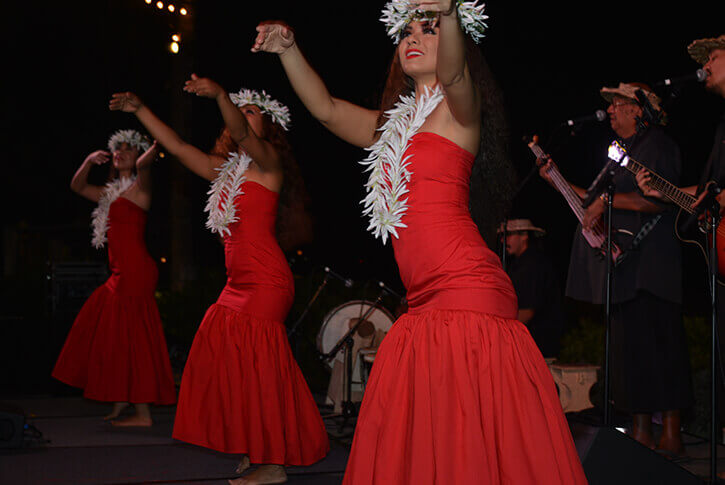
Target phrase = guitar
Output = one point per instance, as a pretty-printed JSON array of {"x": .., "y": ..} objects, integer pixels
[
  {"x": 618, "y": 154},
  {"x": 597, "y": 235}
]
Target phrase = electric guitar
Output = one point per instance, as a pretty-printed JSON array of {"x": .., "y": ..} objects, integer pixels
[
  {"x": 597, "y": 235},
  {"x": 617, "y": 153}
]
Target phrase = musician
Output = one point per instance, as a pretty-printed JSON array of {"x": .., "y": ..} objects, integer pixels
[
  {"x": 537, "y": 287},
  {"x": 650, "y": 366}
]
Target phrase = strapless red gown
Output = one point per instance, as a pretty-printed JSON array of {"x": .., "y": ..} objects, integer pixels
[
  {"x": 242, "y": 391},
  {"x": 116, "y": 350},
  {"x": 459, "y": 392}
]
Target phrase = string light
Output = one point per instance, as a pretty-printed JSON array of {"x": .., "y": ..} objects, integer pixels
[
  {"x": 176, "y": 37},
  {"x": 148, "y": 1},
  {"x": 171, "y": 7},
  {"x": 160, "y": 5},
  {"x": 174, "y": 47},
  {"x": 183, "y": 11}
]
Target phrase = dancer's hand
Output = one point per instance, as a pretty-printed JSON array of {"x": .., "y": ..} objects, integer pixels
[
  {"x": 99, "y": 157},
  {"x": 126, "y": 102},
  {"x": 148, "y": 156},
  {"x": 203, "y": 86},
  {"x": 273, "y": 36},
  {"x": 443, "y": 6}
]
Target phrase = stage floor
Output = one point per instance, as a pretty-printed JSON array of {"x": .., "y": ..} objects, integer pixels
[{"x": 78, "y": 448}]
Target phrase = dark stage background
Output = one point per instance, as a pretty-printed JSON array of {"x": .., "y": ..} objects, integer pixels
[{"x": 63, "y": 60}]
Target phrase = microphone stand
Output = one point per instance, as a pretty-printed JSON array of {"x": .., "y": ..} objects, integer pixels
[
  {"x": 347, "y": 341},
  {"x": 713, "y": 265},
  {"x": 608, "y": 307},
  {"x": 293, "y": 329}
]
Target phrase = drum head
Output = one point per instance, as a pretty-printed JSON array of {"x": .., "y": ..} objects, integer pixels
[{"x": 337, "y": 323}]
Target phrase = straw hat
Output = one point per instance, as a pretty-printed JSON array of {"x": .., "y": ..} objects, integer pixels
[
  {"x": 701, "y": 48},
  {"x": 517, "y": 225},
  {"x": 627, "y": 90}
]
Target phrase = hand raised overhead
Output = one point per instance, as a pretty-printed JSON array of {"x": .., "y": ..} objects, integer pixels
[
  {"x": 273, "y": 36},
  {"x": 203, "y": 86},
  {"x": 126, "y": 102}
]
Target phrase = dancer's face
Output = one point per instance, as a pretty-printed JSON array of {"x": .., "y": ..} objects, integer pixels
[
  {"x": 124, "y": 158},
  {"x": 255, "y": 118},
  {"x": 418, "y": 49}
]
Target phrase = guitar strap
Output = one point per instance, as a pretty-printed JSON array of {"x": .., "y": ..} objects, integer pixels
[{"x": 643, "y": 231}]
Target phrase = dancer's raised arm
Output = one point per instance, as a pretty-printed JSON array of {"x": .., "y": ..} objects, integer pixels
[
  {"x": 352, "y": 123},
  {"x": 79, "y": 184},
  {"x": 451, "y": 69},
  {"x": 194, "y": 159},
  {"x": 261, "y": 150}
]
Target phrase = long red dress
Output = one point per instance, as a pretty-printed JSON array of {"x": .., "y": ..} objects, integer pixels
[
  {"x": 242, "y": 391},
  {"x": 459, "y": 392},
  {"x": 116, "y": 350}
]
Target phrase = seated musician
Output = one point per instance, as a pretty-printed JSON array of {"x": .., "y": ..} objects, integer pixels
[
  {"x": 537, "y": 287},
  {"x": 650, "y": 367}
]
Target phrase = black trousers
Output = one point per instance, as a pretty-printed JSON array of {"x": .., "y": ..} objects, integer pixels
[{"x": 650, "y": 361}]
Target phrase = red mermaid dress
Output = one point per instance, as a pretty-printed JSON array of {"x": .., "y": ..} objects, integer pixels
[
  {"x": 459, "y": 392},
  {"x": 242, "y": 391},
  {"x": 116, "y": 350}
]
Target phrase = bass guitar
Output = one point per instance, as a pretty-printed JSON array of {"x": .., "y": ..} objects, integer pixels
[{"x": 597, "y": 235}]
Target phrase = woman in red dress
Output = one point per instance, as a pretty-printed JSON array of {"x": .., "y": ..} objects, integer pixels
[
  {"x": 116, "y": 350},
  {"x": 459, "y": 392},
  {"x": 242, "y": 391}
]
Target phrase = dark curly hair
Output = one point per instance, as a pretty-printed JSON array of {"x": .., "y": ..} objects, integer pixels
[
  {"x": 294, "y": 223},
  {"x": 493, "y": 179}
]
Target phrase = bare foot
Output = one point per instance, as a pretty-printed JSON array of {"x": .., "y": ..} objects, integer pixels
[
  {"x": 134, "y": 420},
  {"x": 243, "y": 464},
  {"x": 265, "y": 474},
  {"x": 118, "y": 407}
]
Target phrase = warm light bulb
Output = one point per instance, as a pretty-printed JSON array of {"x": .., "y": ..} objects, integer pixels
[
  {"x": 176, "y": 37},
  {"x": 171, "y": 7},
  {"x": 174, "y": 47},
  {"x": 163, "y": 259},
  {"x": 148, "y": 1},
  {"x": 182, "y": 11},
  {"x": 160, "y": 4}
]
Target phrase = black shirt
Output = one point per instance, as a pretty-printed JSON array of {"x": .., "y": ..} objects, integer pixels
[
  {"x": 537, "y": 288},
  {"x": 656, "y": 265}
]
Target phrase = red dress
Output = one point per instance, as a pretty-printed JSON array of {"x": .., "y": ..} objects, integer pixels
[
  {"x": 116, "y": 350},
  {"x": 459, "y": 392},
  {"x": 242, "y": 391}
]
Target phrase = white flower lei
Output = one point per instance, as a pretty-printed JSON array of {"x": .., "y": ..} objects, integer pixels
[
  {"x": 132, "y": 137},
  {"x": 389, "y": 174},
  {"x": 278, "y": 111},
  {"x": 224, "y": 190},
  {"x": 399, "y": 13},
  {"x": 99, "y": 216}
]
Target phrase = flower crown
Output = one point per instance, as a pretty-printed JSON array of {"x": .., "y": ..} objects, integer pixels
[
  {"x": 132, "y": 137},
  {"x": 399, "y": 13},
  {"x": 275, "y": 109}
]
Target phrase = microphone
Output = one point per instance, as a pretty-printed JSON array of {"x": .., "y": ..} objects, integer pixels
[
  {"x": 384, "y": 287},
  {"x": 698, "y": 76},
  {"x": 347, "y": 281},
  {"x": 599, "y": 115}
]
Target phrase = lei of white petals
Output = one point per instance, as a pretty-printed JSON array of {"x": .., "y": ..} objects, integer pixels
[
  {"x": 399, "y": 13},
  {"x": 389, "y": 175},
  {"x": 132, "y": 137},
  {"x": 278, "y": 111},
  {"x": 99, "y": 216},
  {"x": 225, "y": 188}
]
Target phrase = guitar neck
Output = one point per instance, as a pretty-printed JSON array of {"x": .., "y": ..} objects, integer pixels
[
  {"x": 571, "y": 197},
  {"x": 669, "y": 190}
]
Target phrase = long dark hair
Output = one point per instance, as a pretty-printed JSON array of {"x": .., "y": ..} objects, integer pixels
[
  {"x": 493, "y": 179},
  {"x": 294, "y": 223}
]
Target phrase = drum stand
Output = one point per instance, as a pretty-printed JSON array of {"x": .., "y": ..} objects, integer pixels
[{"x": 348, "y": 407}]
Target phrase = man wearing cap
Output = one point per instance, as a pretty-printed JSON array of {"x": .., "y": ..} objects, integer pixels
[
  {"x": 650, "y": 365},
  {"x": 536, "y": 285}
]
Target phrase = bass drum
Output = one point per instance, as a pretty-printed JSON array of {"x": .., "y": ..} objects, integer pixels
[{"x": 339, "y": 321}]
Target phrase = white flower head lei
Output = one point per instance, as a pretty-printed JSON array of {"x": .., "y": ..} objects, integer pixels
[
  {"x": 389, "y": 174},
  {"x": 275, "y": 109},
  {"x": 399, "y": 13},
  {"x": 99, "y": 216},
  {"x": 225, "y": 188},
  {"x": 132, "y": 137}
]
